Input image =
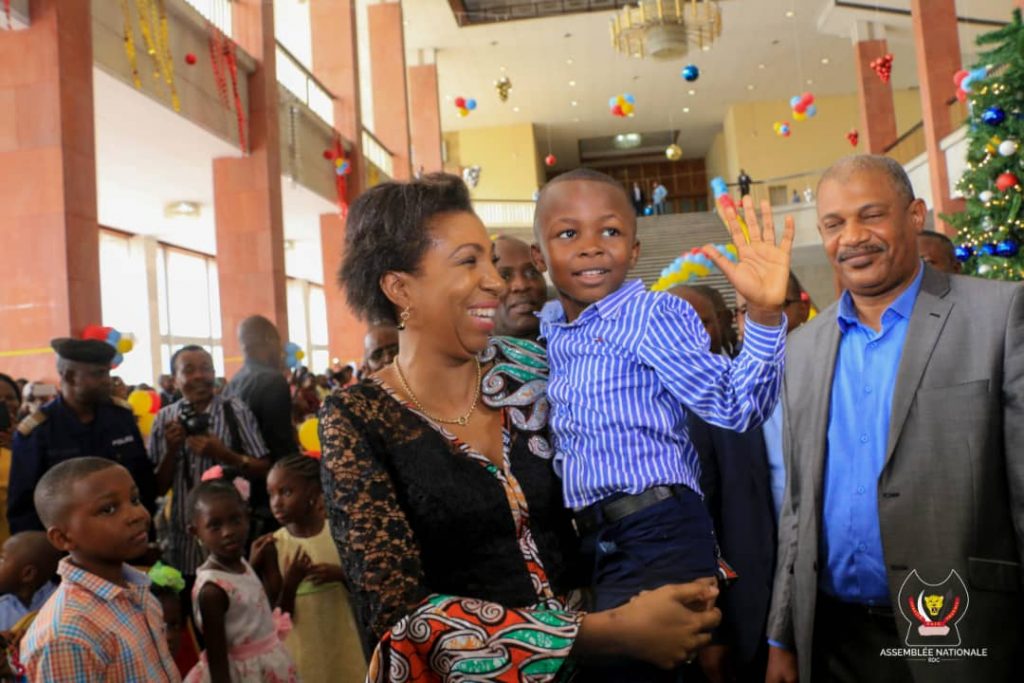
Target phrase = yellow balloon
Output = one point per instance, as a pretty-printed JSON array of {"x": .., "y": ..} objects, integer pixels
[
  {"x": 799, "y": 115},
  {"x": 146, "y": 424},
  {"x": 125, "y": 345},
  {"x": 463, "y": 112},
  {"x": 627, "y": 108},
  {"x": 309, "y": 436},
  {"x": 700, "y": 270},
  {"x": 140, "y": 402},
  {"x": 300, "y": 354}
]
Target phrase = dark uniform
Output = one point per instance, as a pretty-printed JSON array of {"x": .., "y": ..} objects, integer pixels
[{"x": 53, "y": 433}]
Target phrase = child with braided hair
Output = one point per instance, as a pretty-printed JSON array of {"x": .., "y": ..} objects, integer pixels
[{"x": 302, "y": 574}]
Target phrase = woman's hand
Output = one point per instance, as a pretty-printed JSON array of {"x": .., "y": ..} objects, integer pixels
[
  {"x": 665, "y": 626},
  {"x": 762, "y": 274}
]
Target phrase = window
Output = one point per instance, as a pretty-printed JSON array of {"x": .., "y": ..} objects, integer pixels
[
  {"x": 125, "y": 299},
  {"x": 189, "y": 304},
  {"x": 307, "y": 322}
]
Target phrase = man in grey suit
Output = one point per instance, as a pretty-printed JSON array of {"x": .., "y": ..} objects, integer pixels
[{"x": 902, "y": 528}]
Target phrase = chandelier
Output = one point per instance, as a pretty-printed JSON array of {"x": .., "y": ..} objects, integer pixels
[{"x": 666, "y": 29}]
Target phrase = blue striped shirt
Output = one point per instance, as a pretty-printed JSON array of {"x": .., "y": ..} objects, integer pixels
[{"x": 622, "y": 377}]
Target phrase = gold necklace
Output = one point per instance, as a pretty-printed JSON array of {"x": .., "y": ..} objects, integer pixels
[{"x": 461, "y": 421}]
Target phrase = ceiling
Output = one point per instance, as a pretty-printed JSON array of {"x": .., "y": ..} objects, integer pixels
[
  {"x": 763, "y": 54},
  {"x": 147, "y": 156}
]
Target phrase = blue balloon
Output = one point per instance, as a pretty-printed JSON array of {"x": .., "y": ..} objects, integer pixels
[
  {"x": 612, "y": 101},
  {"x": 113, "y": 337},
  {"x": 811, "y": 110},
  {"x": 963, "y": 252},
  {"x": 793, "y": 101},
  {"x": 718, "y": 186},
  {"x": 1008, "y": 248},
  {"x": 471, "y": 104},
  {"x": 629, "y": 98},
  {"x": 118, "y": 359},
  {"x": 690, "y": 72},
  {"x": 988, "y": 249}
]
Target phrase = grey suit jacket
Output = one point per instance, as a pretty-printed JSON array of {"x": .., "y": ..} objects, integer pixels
[{"x": 951, "y": 492}]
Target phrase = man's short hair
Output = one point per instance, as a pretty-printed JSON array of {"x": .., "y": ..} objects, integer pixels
[
  {"x": 582, "y": 173},
  {"x": 185, "y": 349},
  {"x": 847, "y": 166},
  {"x": 51, "y": 496},
  {"x": 940, "y": 238}
]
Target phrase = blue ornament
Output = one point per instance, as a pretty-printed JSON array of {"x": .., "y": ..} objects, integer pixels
[
  {"x": 993, "y": 116},
  {"x": 648, "y": 210},
  {"x": 988, "y": 249},
  {"x": 1007, "y": 248},
  {"x": 690, "y": 73},
  {"x": 963, "y": 252}
]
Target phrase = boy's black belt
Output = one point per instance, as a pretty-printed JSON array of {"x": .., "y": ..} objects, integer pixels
[{"x": 608, "y": 512}]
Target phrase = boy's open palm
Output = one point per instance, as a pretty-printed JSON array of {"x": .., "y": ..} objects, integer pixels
[{"x": 762, "y": 274}]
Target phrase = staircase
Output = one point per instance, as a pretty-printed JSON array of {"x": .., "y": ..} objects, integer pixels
[{"x": 663, "y": 238}]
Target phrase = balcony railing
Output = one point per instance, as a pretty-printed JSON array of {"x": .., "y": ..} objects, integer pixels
[
  {"x": 505, "y": 214},
  {"x": 298, "y": 80},
  {"x": 217, "y": 12},
  {"x": 377, "y": 154}
]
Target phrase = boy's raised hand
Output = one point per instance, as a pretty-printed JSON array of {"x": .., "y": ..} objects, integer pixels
[{"x": 762, "y": 274}]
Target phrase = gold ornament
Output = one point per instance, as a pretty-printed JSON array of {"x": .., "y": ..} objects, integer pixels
[
  {"x": 674, "y": 152},
  {"x": 503, "y": 85}
]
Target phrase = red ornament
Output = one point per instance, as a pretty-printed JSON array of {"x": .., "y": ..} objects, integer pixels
[
  {"x": 550, "y": 160},
  {"x": 1006, "y": 181},
  {"x": 330, "y": 154},
  {"x": 190, "y": 59},
  {"x": 883, "y": 67},
  {"x": 853, "y": 136}
]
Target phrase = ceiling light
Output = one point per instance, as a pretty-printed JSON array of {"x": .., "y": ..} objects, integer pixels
[
  {"x": 576, "y": 120},
  {"x": 569, "y": 61},
  {"x": 692, "y": 92},
  {"x": 515, "y": 109},
  {"x": 750, "y": 86},
  {"x": 810, "y": 81},
  {"x": 665, "y": 30},
  {"x": 790, "y": 14},
  {"x": 627, "y": 140},
  {"x": 574, "y": 103},
  {"x": 503, "y": 69},
  {"x": 824, "y": 60},
  {"x": 686, "y": 110},
  {"x": 706, "y": 48},
  {"x": 760, "y": 66},
  {"x": 572, "y": 84},
  {"x": 181, "y": 209}
]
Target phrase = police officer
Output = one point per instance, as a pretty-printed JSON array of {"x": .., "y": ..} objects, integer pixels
[{"x": 83, "y": 420}]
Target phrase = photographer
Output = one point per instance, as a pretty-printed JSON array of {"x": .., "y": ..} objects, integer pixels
[{"x": 196, "y": 433}]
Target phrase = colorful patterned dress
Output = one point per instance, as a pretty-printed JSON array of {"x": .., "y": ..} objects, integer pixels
[{"x": 458, "y": 568}]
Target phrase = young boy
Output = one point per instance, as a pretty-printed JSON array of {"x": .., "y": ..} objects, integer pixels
[
  {"x": 28, "y": 564},
  {"x": 102, "y": 623},
  {"x": 626, "y": 365}
]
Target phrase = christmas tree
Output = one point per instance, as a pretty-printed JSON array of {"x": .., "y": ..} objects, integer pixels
[{"x": 991, "y": 230}]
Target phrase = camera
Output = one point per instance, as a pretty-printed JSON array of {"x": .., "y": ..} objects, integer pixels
[{"x": 193, "y": 422}]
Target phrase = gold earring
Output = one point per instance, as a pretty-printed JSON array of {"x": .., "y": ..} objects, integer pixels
[{"x": 403, "y": 318}]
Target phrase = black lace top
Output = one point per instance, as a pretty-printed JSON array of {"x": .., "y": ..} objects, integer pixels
[{"x": 415, "y": 512}]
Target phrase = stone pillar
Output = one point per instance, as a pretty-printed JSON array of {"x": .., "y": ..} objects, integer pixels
[
  {"x": 336, "y": 65},
  {"x": 390, "y": 104},
  {"x": 877, "y": 110},
  {"x": 425, "y": 118},
  {"x": 247, "y": 195},
  {"x": 50, "y": 251},
  {"x": 937, "y": 47}
]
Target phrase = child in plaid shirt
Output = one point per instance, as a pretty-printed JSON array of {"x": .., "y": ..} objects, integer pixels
[{"x": 102, "y": 623}]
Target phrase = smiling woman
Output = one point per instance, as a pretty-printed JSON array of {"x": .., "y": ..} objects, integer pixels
[{"x": 437, "y": 477}]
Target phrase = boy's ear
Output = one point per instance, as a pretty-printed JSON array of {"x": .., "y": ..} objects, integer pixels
[
  {"x": 635, "y": 255},
  {"x": 538, "y": 258},
  {"x": 59, "y": 539},
  {"x": 29, "y": 573}
]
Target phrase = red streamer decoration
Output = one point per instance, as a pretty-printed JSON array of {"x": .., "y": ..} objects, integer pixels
[
  {"x": 216, "y": 45},
  {"x": 232, "y": 60},
  {"x": 340, "y": 184},
  {"x": 7, "y": 14}
]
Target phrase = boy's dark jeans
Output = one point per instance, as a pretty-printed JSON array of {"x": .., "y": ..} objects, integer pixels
[{"x": 671, "y": 541}]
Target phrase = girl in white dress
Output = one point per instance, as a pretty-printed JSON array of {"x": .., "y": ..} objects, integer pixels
[{"x": 243, "y": 637}]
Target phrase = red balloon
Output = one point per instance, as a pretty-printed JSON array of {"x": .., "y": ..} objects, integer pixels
[
  {"x": 959, "y": 76},
  {"x": 806, "y": 99},
  {"x": 800, "y": 108},
  {"x": 617, "y": 110},
  {"x": 1006, "y": 181},
  {"x": 330, "y": 154},
  {"x": 460, "y": 102},
  {"x": 154, "y": 401},
  {"x": 97, "y": 332},
  {"x": 190, "y": 59}
]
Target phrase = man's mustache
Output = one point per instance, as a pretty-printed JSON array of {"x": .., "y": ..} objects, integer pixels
[{"x": 847, "y": 254}]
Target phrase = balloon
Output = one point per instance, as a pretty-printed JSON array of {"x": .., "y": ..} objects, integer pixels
[
  {"x": 113, "y": 337},
  {"x": 718, "y": 186},
  {"x": 154, "y": 402},
  {"x": 463, "y": 113},
  {"x": 629, "y": 98},
  {"x": 125, "y": 345},
  {"x": 97, "y": 332},
  {"x": 146, "y": 424},
  {"x": 329, "y": 154},
  {"x": 617, "y": 110},
  {"x": 794, "y": 101},
  {"x": 811, "y": 110},
  {"x": 309, "y": 435},
  {"x": 620, "y": 100},
  {"x": 612, "y": 101},
  {"x": 627, "y": 109},
  {"x": 140, "y": 401},
  {"x": 300, "y": 354},
  {"x": 799, "y": 115},
  {"x": 471, "y": 104},
  {"x": 460, "y": 102}
]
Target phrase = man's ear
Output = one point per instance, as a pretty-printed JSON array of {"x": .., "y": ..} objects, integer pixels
[
  {"x": 396, "y": 288},
  {"x": 918, "y": 213},
  {"x": 538, "y": 258},
  {"x": 59, "y": 539}
]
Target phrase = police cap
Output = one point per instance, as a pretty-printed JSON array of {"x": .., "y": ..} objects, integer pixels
[{"x": 89, "y": 351}]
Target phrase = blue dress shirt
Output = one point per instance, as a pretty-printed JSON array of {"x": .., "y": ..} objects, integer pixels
[
  {"x": 620, "y": 377},
  {"x": 772, "y": 431},
  {"x": 852, "y": 563},
  {"x": 12, "y": 609}
]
